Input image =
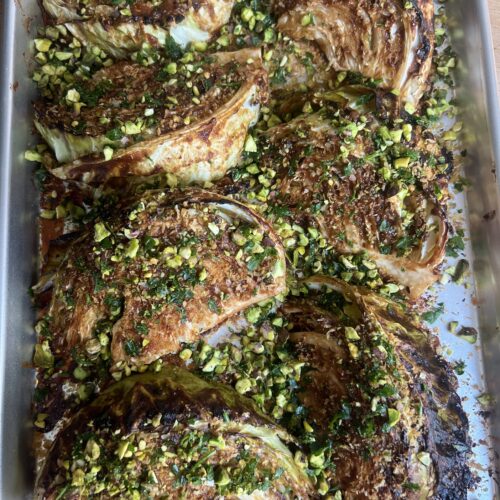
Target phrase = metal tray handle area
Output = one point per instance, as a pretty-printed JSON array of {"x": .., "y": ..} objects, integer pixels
[{"x": 18, "y": 207}]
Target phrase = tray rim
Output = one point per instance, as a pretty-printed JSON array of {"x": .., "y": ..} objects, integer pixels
[{"x": 9, "y": 9}]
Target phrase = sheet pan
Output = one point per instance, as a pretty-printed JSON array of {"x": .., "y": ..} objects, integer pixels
[{"x": 476, "y": 305}]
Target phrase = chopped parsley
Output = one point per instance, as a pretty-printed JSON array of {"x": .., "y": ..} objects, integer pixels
[
  {"x": 432, "y": 315},
  {"x": 455, "y": 245},
  {"x": 131, "y": 348}
]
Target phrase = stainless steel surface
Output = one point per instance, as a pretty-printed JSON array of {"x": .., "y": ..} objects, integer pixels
[
  {"x": 17, "y": 251},
  {"x": 477, "y": 91}
]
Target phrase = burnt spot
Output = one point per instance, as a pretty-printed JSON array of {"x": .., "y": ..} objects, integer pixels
[
  {"x": 425, "y": 49},
  {"x": 204, "y": 134}
]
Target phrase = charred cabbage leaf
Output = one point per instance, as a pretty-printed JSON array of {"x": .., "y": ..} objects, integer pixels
[
  {"x": 379, "y": 395},
  {"x": 159, "y": 271},
  {"x": 358, "y": 381},
  {"x": 120, "y": 27},
  {"x": 189, "y": 119},
  {"x": 367, "y": 185},
  {"x": 390, "y": 41},
  {"x": 296, "y": 66},
  {"x": 171, "y": 434}
]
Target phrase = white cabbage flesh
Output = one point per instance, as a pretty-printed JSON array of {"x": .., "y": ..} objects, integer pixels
[
  {"x": 67, "y": 147},
  {"x": 187, "y": 32},
  {"x": 118, "y": 40},
  {"x": 61, "y": 10},
  {"x": 120, "y": 37},
  {"x": 273, "y": 439}
]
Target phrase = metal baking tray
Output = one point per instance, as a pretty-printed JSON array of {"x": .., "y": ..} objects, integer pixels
[{"x": 477, "y": 305}]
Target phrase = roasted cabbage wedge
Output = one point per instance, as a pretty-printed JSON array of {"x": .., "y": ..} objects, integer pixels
[
  {"x": 120, "y": 27},
  {"x": 379, "y": 394},
  {"x": 389, "y": 41},
  {"x": 359, "y": 382},
  {"x": 159, "y": 271},
  {"x": 189, "y": 119},
  {"x": 171, "y": 435},
  {"x": 364, "y": 183}
]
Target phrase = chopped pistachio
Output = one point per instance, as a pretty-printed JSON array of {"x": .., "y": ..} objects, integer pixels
[
  {"x": 393, "y": 417},
  {"x": 222, "y": 478},
  {"x": 223, "y": 40},
  {"x": 486, "y": 400},
  {"x": 313, "y": 232},
  {"x": 214, "y": 228},
  {"x": 469, "y": 334},
  {"x": 40, "y": 420},
  {"x": 307, "y": 108},
  {"x": 277, "y": 322},
  {"x": 253, "y": 314},
  {"x": 42, "y": 44},
  {"x": 390, "y": 288},
  {"x": 80, "y": 373},
  {"x": 78, "y": 478},
  {"x": 351, "y": 333},
  {"x": 199, "y": 46},
  {"x": 108, "y": 153},
  {"x": 307, "y": 19},
  {"x": 247, "y": 14},
  {"x": 186, "y": 354},
  {"x": 122, "y": 449},
  {"x": 132, "y": 249},
  {"x": 269, "y": 35},
  {"x": 461, "y": 270},
  {"x": 100, "y": 232},
  {"x": 317, "y": 459},
  {"x": 353, "y": 350},
  {"x": 401, "y": 162},
  {"x": 243, "y": 385},
  {"x": 211, "y": 365},
  {"x": 323, "y": 487},
  {"x": 396, "y": 135},
  {"x": 43, "y": 357},
  {"x": 63, "y": 56},
  {"x": 32, "y": 155},
  {"x": 174, "y": 262},
  {"x": 60, "y": 212},
  {"x": 92, "y": 449},
  {"x": 250, "y": 144},
  {"x": 307, "y": 427},
  {"x": 131, "y": 128},
  {"x": 407, "y": 129},
  {"x": 72, "y": 95},
  {"x": 239, "y": 238},
  {"x": 410, "y": 108}
]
